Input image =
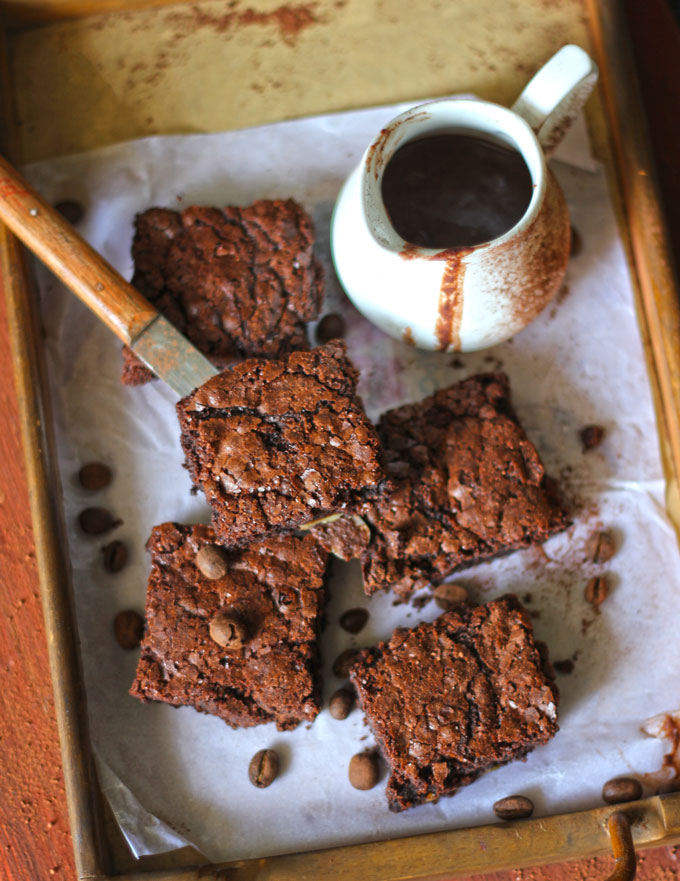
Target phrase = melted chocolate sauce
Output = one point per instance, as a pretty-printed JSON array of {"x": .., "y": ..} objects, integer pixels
[{"x": 455, "y": 190}]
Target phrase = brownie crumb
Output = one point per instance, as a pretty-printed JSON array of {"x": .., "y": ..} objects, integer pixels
[{"x": 591, "y": 437}]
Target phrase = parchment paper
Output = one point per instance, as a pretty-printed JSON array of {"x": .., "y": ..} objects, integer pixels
[{"x": 581, "y": 362}]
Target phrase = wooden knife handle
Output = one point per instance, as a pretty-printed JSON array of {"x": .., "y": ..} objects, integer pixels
[{"x": 45, "y": 232}]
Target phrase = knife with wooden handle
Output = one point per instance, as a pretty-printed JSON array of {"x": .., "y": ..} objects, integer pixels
[{"x": 126, "y": 312}]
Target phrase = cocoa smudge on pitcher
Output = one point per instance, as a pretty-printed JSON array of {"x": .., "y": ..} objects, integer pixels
[
  {"x": 450, "y": 306},
  {"x": 450, "y": 311}
]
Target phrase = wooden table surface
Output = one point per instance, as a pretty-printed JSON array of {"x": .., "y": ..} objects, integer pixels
[{"x": 34, "y": 836}]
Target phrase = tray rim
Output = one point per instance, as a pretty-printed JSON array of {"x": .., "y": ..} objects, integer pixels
[{"x": 444, "y": 854}]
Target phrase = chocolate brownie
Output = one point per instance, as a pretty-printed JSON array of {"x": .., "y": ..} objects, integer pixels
[
  {"x": 272, "y": 593},
  {"x": 484, "y": 694},
  {"x": 277, "y": 444},
  {"x": 238, "y": 282},
  {"x": 468, "y": 485}
]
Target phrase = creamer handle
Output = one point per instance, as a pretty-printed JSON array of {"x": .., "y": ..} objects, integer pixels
[{"x": 553, "y": 97}]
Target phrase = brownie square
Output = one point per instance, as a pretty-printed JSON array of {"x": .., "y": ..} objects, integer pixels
[
  {"x": 274, "y": 590},
  {"x": 277, "y": 444},
  {"x": 468, "y": 485},
  {"x": 452, "y": 698},
  {"x": 238, "y": 282}
]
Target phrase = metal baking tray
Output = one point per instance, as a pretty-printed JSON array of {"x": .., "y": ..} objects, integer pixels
[{"x": 521, "y": 36}]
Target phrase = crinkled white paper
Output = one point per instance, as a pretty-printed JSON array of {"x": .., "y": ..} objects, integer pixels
[{"x": 581, "y": 362}]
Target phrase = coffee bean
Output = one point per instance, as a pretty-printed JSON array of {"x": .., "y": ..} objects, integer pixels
[
  {"x": 94, "y": 476},
  {"x": 331, "y": 327},
  {"x": 576, "y": 242},
  {"x": 446, "y": 596},
  {"x": 263, "y": 768},
  {"x": 97, "y": 521},
  {"x": 621, "y": 789},
  {"x": 115, "y": 556},
  {"x": 364, "y": 771},
  {"x": 565, "y": 667},
  {"x": 591, "y": 437},
  {"x": 212, "y": 561},
  {"x": 344, "y": 661},
  {"x": 600, "y": 547},
  {"x": 71, "y": 211},
  {"x": 597, "y": 590},
  {"x": 228, "y": 631},
  {"x": 354, "y": 620},
  {"x": 128, "y": 627},
  {"x": 341, "y": 703},
  {"x": 514, "y": 807}
]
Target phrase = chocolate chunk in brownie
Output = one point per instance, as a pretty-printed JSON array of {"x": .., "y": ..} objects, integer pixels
[
  {"x": 263, "y": 668},
  {"x": 484, "y": 694},
  {"x": 468, "y": 485},
  {"x": 238, "y": 282},
  {"x": 277, "y": 444}
]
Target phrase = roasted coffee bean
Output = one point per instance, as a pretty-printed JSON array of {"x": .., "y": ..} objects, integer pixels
[
  {"x": 344, "y": 661},
  {"x": 591, "y": 437},
  {"x": 331, "y": 327},
  {"x": 597, "y": 590},
  {"x": 128, "y": 626},
  {"x": 363, "y": 770},
  {"x": 341, "y": 703},
  {"x": 71, "y": 211},
  {"x": 566, "y": 666},
  {"x": 94, "y": 476},
  {"x": 354, "y": 620},
  {"x": 97, "y": 521},
  {"x": 446, "y": 596},
  {"x": 263, "y": 768},
  {"x": 514, "y": 807},
  {"x": 212, "y": 561},
  {"x": 600, "y": 547},
  {"x": 227, "y": 630},
  {"x": 621, "y": 789},
  {"x": 576, "y": 242},
  {"x": 115, "y": 555}
]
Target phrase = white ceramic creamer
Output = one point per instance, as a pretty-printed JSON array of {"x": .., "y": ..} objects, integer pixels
[{"x": 462, "y": 298}]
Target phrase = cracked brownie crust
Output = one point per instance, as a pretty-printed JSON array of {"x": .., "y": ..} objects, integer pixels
[
  {"x": 277, "y": 444},
  {"x": 468, "y": 485},
  {"x": 238, "y": 282},
  {"x": 275, "y": 589},
  {"x": 484, "y": 694}
]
